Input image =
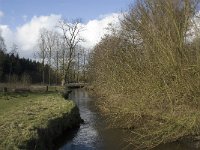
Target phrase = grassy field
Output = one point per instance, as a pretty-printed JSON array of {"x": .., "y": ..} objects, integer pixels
[
  {"x": 34, "y": 88},
  {"x": 26, "y": 120}
]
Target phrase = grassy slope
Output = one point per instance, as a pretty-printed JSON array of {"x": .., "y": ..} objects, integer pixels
[{"x": 25, "y": 118}]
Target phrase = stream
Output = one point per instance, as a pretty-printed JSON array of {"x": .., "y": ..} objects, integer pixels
[{"x": 94, "y": 133}]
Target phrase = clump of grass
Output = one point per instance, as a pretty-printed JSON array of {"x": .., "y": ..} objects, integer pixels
[{"x": 34, "y": 121}]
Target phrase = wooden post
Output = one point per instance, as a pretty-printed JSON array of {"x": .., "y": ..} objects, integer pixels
[
  {"x": 5, "y": 90},
  {"x": 47, "y": 88}
]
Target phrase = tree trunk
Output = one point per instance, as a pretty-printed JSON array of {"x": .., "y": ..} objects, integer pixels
[
  {"x": 43, "y": 71},
  {"x": 57, "y": 68}
]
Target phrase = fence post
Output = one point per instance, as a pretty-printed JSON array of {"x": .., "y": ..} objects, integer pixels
[
  {"x": 47, "y": 88},
  {"x": 5, "y": 90}
]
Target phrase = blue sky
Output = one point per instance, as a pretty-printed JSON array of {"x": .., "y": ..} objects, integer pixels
[
  {"x": 16, "y": 12},
  {"x": 22, "y": 20}
]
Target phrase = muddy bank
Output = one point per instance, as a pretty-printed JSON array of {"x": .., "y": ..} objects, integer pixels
[{"x": 47, "y": 137}]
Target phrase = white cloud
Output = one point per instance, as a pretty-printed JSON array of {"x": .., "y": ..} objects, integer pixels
[
  {"x": 194, "y": 30},
  {"x": 7, "y": 34},
  {"x": 1, "y": 14},
  {"x": 96, "y": 29},
  {"x": 26, "y": 35}
]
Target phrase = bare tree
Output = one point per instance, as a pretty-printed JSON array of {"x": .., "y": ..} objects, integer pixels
[
  {"x": 80, "y": 63},
  {"x": 62, "y": 58},
  {"x": 42, "y": 52},
  {"x": 51, "y": 42},
  {"x": 51, "y": 38},
  {"x": 47, "y": 44},
  {"x": 13, "y": 53},
  {"x": 71, "y": 36},
  {"x": 57, "y": 55}
]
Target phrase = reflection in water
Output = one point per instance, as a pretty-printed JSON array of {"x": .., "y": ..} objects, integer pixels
[
  {"x": 94, "y": 134},
  {"x": 87, "y": 137}
]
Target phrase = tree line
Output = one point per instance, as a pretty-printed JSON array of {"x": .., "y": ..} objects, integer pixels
[
  {"x": 60, "y": 48},
  {"x": 14, "y": 69},
  {"x": 60, "y": 58}
]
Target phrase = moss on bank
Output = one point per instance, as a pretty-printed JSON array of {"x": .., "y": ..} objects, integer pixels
[{"x": 33, "y": 121}]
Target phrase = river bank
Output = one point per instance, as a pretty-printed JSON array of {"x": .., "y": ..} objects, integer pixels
[
  {"x": 191, "y": 141},
  {"x": 35, "y": 120}
]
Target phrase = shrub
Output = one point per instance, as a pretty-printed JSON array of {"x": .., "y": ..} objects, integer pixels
[{"x": 149, "y": 73}]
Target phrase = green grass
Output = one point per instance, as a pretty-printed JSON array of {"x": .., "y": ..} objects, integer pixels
[{"x": 26, "y": 120}]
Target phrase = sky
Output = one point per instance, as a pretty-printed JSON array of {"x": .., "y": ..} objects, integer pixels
[{"x": 21, "y": 20}]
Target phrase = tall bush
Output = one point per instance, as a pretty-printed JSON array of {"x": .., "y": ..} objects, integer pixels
[{"x": 149, "y": 73}]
